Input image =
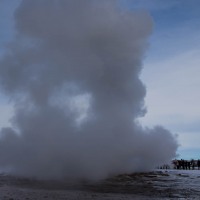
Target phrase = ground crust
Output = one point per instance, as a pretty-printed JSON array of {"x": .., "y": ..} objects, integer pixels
[{"x": 170, "y": 184}]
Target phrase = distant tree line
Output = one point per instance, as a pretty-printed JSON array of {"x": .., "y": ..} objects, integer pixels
[
  {"x": 186, "y": 164},
  {"x": 182, "y": 164}
]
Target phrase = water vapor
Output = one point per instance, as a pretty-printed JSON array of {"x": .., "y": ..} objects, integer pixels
[{"x": 72, "y": 72}]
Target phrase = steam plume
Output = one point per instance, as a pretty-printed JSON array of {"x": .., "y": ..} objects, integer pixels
[{"x": 73, "y": 73}]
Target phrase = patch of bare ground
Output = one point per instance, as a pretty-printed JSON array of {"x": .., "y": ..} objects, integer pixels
[{"x": 151, "y": 185}]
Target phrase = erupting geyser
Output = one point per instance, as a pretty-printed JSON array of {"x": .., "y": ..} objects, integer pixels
[{"x": 72, "y": 72}]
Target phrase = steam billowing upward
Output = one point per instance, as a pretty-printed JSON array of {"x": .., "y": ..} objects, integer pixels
[{"x": 73, "y": 74}]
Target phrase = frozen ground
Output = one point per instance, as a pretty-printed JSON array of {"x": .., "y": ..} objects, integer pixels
[{"x": 170, "y": 184}]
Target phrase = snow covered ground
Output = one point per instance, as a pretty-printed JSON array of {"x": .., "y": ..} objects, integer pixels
[{"x": 159, "y": 184}]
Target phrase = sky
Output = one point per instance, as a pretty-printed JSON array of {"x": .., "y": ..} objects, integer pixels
[{"x": 170, "y": 69}]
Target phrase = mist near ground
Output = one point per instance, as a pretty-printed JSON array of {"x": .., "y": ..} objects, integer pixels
[{"x": 73, "y": 75}]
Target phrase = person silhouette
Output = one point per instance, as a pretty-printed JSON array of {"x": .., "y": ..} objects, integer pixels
[{"x": 198, "y": 164}]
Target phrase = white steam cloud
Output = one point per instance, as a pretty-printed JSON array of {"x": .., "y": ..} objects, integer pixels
[{"x": 73, "y": 73}]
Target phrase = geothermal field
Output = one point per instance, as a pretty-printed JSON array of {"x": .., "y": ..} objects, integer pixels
[
  {"x": 72, "y": 74},
  {"x": 171, "y": 184}
]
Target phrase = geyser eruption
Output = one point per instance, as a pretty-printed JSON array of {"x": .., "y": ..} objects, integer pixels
[{"x": 72, "y": 72}]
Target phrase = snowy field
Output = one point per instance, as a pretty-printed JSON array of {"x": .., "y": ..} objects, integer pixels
[{"x": 170, "y": 184}]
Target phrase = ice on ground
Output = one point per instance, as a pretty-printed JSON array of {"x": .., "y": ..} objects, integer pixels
[{"x": 158, "y": 184}]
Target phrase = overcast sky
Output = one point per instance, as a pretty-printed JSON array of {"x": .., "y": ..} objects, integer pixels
[{"x": 171, "y": 69}]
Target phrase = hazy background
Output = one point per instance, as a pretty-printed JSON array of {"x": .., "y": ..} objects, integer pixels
[
  {"x": 72, "y": 73},
  {"x": 170, "y": 69}
]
